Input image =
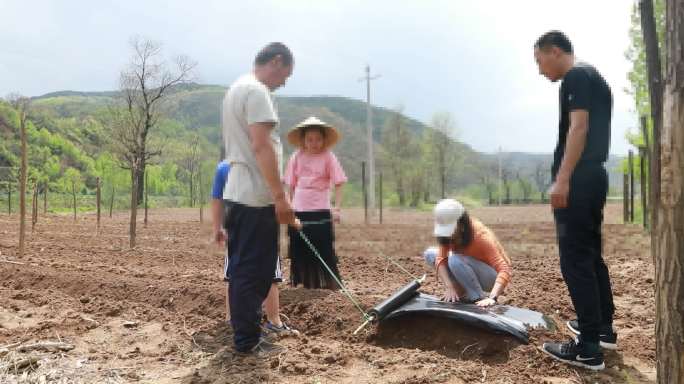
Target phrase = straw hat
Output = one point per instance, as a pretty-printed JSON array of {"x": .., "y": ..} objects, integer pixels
[{"x": 295, "y": 138}]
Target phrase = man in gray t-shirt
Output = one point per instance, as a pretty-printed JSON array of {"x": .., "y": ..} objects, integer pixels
[{"x": 255, "y": 199}]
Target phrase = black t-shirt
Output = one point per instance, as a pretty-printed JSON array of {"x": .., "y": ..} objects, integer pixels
[{"x": 584, "y": 88}]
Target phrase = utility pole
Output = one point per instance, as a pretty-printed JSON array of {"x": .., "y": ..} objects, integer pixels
[{"x": 369, "y": 128}]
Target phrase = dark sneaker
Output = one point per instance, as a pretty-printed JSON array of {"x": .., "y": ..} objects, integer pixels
[
  {"x": 263, "y": 349},
  {"x": 578, "y": 354},
  {"x": 283, "y": 330},
  {"x": 608, "y": 338}
]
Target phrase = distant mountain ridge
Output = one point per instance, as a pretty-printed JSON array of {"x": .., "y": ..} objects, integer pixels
[{"x": 197, "y": 107}]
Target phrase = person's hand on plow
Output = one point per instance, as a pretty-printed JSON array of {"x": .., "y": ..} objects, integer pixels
[
  {"x": 487, "y": 302},
  {"x": 450, "y": 294}
]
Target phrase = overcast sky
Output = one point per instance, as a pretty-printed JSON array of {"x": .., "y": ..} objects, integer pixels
[{"x": 470, "y": 58}]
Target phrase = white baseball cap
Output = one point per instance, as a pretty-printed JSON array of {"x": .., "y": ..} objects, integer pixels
[{"x": 447, "y": 213}]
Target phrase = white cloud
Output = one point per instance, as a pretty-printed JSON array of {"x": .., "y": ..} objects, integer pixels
[{"x": 472, "y": 58}]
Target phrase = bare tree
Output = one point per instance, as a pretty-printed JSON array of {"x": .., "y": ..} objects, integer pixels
[
  {"x": 416, "y": 178},
  {"x": 506, "y": 180},
  {"x": 72, "y": 182},
  {"x": 489, "y": 179},
  {"x": 443, "y": 135},
  {"x": 22, "y": 105},
  {"x": 542, "y": 179},
  {"x": 144, "y": 86},
  {"x": 190, "y": 162},
  {"x": 397, "y": 139},
  {"x": 525, "y": 187},
  {"x": 668, "y": 235}
]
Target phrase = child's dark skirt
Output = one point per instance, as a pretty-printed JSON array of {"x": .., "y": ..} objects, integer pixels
[{"x": 305, "y": 267}]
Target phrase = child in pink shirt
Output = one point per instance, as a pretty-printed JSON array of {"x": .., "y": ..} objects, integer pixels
[{"x": 311, "y": 172}]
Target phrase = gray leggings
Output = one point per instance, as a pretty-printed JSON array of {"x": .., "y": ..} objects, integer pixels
[{"x": 473, "y": 275}]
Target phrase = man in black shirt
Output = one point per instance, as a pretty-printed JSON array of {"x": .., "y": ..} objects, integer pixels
[{"x": 578, "y": 196}]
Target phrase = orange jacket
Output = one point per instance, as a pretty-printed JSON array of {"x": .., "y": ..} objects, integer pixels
[{"x": 484, "y": 247}]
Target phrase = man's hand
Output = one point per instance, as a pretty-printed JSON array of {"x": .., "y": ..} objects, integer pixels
[
  {"x": 219, "y": 237},
  {"x": 450, "y": 294},
  {"x": 486, "y": 302},
  {"x": 559, "y": 192},
  {"x": 284, "y": 211}
]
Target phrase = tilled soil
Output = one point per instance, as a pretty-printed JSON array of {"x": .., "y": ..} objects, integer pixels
[{"x": 156, "y": 314}]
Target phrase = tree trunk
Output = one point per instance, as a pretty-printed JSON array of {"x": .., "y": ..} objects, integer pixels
[
  {"x": 97, "y": 202},
  {"x": 146, "y": 200},
  {"x": 73, "y": 194},
  {"x": 380, "y": 195},
  {"x": 201, "y": 195},
  {"x": 643, "y": 186},
  {"x": 443, "y": 182},
  {"x": 669, "y": 231},
  {"x": 45, "y": 198},
  {"x": 111, "y": 202},
  {"x": 655, "y": 90},
  {"x": 625, "y": 198},
  {"x": 9, "y": 198},
  {"x": 647, "y": 185},
  {"x": 400, "y": 191},
  {"x": 134, "y": 207},
  {"x": 140, "y": 183},
  {"x": 192, "y": 187},
  {"x": 426, "y": 192},
  {"x": 22, "y": 184},
  {"x": 34, "y": 207},
  {"x": 507, "y": 188},
  {"x": 630, "y": 162}
]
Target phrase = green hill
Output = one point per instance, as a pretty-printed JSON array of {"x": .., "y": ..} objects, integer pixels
[
  {"x": 68, "y": 130},
  {"x": 197, "y": 109}
]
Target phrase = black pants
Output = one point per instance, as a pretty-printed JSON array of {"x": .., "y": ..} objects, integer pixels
[
  {"x": 578, "y": 228},
  {"x": 253, "y": 249}
]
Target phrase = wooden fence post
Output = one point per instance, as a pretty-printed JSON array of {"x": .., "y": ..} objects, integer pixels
[
  {"x": 111, "y": 201},
  {"x": 644, "y": 186},
  {"x": 34, "y": 207},
  {"x": 201, "y": 193},
  {"x": 625, "y": 197},
  {"x": 145, "y": 221},
  {"x": 631, "y": 186},
  {"x": 73, "y": 194},
  {"x": 380, "y": 199},
  {"x": 45, "y": 198},
  {"x": 97, "y": 202}
]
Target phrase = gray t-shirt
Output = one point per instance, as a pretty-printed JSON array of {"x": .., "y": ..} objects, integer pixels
[{"x": 248, "y": 101}]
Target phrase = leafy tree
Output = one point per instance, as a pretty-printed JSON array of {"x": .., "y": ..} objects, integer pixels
[
  {"x": 398, "y": 154},
  {"x": 72, "y": 182}
]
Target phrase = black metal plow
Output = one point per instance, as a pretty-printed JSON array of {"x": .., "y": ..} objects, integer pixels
[{"x": 502, "y": 319}]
